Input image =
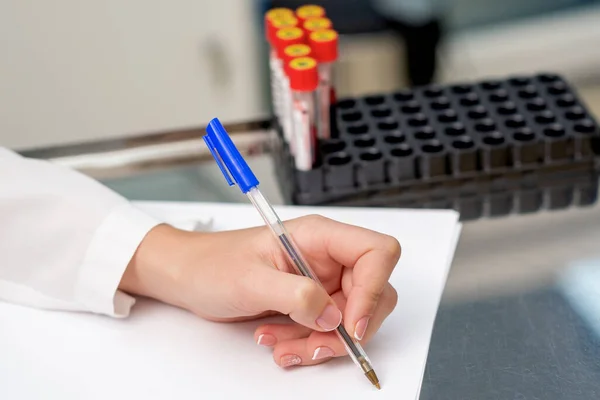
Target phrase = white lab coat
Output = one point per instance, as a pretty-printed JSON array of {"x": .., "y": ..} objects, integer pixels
[{"x": 65, "y": 240}]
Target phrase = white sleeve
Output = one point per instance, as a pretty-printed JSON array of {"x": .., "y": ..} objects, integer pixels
[{"x": 65, "y": 240}]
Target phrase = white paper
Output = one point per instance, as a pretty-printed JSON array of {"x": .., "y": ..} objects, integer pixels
[{"x": 161, "y": 352}]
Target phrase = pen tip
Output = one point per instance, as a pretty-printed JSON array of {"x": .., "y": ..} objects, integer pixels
[{"x": 373, "y": 379}]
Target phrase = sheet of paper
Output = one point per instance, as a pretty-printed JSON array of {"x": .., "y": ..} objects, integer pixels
[{"x": 161, "y": 352}]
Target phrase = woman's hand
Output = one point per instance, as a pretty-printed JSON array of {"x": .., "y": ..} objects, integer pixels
[{"x": 244, "y": 274}]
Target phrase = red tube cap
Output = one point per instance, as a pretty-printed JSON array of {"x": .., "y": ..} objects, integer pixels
[
  {"x": 303, "y": 74},
  {"x": 317, "y": 24},
  {"x": 325, "y": 45},
  {"x": 310, "y": 11},
  {"x": 295, "y": 51},
  {"x": 286, "y": 37},
  {"x": 279, "y": 23}
]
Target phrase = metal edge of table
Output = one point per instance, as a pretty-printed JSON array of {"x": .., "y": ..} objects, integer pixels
[{"x": 114, "y": 158}]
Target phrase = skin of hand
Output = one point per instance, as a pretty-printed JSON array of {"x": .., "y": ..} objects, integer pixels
[{"x": 207, "y": 275}]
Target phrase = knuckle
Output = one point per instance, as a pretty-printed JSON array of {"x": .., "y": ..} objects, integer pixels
[
  {"x": 392, "y": 247},
  {"x": 306, "y": 293},
  {"x": 315, "y": 218}
]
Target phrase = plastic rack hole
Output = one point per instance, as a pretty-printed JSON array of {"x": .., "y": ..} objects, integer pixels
[
  {"x": 499, "y": 96},
  {"x": 486, "y": 125},
  {"x": 352, "y": 116},
  {"x": 425, "y": 133},
  {"x": 585, "y": 126},
  {"x": 463, "y": 143},
  {"x": 388, "y": 125},
  {"x": 441, "y": 103},
  {"x": 554, "y": 130},
  {"x": 545, "y": 117},
  {"x": 364, "y": 142},
  {"x": 477, "y": 112},
  {"x": 433, "y": 146},
  {"x": 557, "y": 88},
  {"x": 575, "y": 114},
  {"x": 346, "y": 104},
  {"x": 411, "y": 107},
  {"x": 359, "y": 129},
  {"x": 494, "y": 139},
  {"x": 395, "y": 139},
  {"x": 519, "y": 81},
  {"x": 403, "y": 150},
  {"x": 448, "y": 116},
  {"x": 404, "y": 95},
  {"x": 516, "y": 121},
  {"x": 524, "y": 135},
  {"x": 418, "y": 120},
  {"x": 333, "y": 147},
  {"x": 381, "y": 112},
  {"x": 339, "y": 159},
  {"x": 470, "y": 99},
  {"x": 566, "y": 101},
  {"x": 433, "y": 91},
  {"x": 536, "y": 104},
  {"x": 529, "y": 92},
  {"x": 462, "y": 89},
  {"x": 507, "y": 108},
  {"x": 548, "y": 78},
  {"x": 491, "y": 85},
  {"x": 374, "y": 100},
  {"x": 456, "y": 129},
  {"x": 371, "y": 155}
]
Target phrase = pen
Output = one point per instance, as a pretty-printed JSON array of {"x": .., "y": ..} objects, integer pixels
[{"x": 236, "y": 171}]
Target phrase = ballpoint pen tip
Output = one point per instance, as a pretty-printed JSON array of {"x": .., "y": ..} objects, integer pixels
[{"x": 378, "y": 386}]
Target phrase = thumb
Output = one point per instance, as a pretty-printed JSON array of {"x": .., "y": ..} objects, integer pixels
[{"x": 304, "y": 300}]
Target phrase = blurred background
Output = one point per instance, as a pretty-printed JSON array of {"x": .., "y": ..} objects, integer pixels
[{"x": 75, "y": 71}]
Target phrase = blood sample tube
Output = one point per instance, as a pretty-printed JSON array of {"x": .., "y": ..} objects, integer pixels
[
  {"x": 310, "y": 11},
  {"x": 275, "y": 65},
  {"x": 304, "y": 80},
  {"x": 324, "y": 45},
  {"x": 283, "y": 39},
  {"x": 289, "y": 53}
]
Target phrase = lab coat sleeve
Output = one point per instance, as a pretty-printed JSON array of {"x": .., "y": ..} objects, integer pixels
[{"x": 65, "y": 240}]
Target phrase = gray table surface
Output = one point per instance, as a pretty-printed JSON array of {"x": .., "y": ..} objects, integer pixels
[{"x": 504, "y": 329}]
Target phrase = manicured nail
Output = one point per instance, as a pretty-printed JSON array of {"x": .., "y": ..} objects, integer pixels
[
  {"x": 266, "y": 340},
  {"x": 361, "y": 328},
  {"x": 289, "y": 360},
  {"x": 330, "y": 319},
  {"x": 322, "y": 352}
]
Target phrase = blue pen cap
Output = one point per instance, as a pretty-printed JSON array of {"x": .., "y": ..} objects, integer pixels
[{"x": 228, "y": 158}]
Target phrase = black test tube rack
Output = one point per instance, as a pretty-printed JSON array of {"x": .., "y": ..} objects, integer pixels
[{"x": 486, "y": 148}]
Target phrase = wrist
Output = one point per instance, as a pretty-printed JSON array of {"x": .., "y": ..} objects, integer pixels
[{"x": 155, "y": 269}]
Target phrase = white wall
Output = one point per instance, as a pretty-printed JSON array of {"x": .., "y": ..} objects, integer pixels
[{"x": 79, "y": 70}]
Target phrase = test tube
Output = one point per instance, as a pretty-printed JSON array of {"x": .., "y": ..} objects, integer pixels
[
  {"x": 289, "y": 53},
  {"x": 284, "y": 38},
  {"x": 316, "y": 24},
  {"x": 304, "y": 80},
  {"x": 275, "y": 65},
  {"x": 309, "y": 11},
  {"x": 324, "y": 44}
]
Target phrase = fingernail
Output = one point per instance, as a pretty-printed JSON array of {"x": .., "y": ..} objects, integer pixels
[
  {"x": 361, "y": 328},
  {"x": 322, "y": 352},
  {"x": 266, "y": 340},
  {"x": 330, "y": 319},
  {"x": 289, "y": 360}
]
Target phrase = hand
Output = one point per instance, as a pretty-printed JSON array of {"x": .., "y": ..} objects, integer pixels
[{"x": 244, "y": 274}]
